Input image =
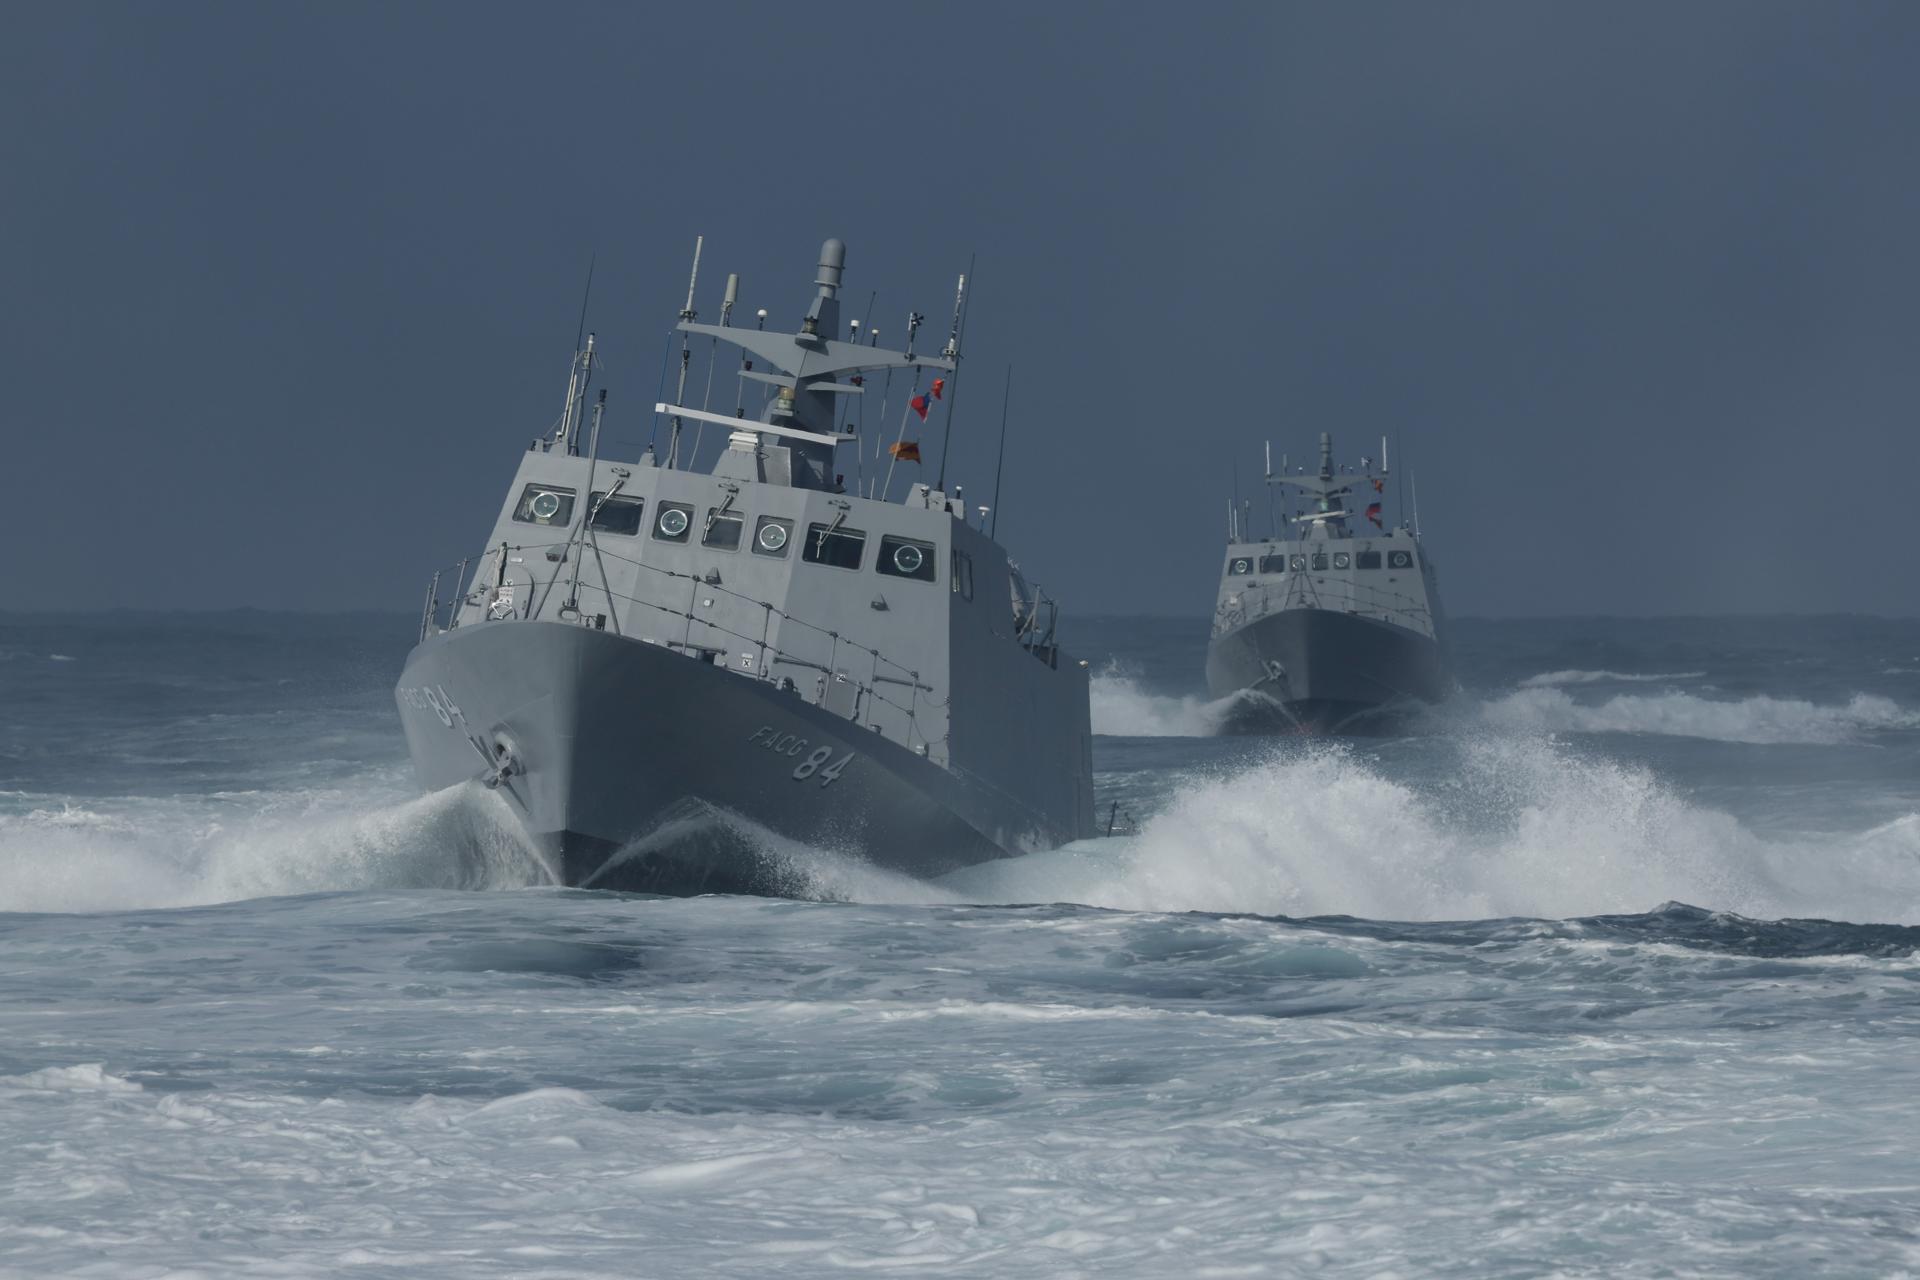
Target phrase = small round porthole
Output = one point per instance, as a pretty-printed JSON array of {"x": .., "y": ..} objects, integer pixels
[
  {"x": 1399, "y": 560},
  {"x": 907, "y": 559},
  {"x": 773, "y": 536},
  {"x": 1297, "y": 563},
  {"x": 1341, "y": 560},
  {"x": 673, "y": 522},
  {"x": 1242, "y": 566},
  {"x": 545, "y": 506}
]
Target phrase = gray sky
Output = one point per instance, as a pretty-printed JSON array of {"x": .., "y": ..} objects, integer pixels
[{"x": 287, "y": 287}]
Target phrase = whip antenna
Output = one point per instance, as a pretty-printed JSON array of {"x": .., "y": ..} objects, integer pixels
[
  {"x": 1006, "y": 397},
  {"x": 687, "y": 314},
  {"x": 954, "y": 335}
]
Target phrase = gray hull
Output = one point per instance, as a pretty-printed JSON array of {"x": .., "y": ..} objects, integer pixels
[
  {"x": 634, "y": 767},
  {"x": 1326, "y": 672}
]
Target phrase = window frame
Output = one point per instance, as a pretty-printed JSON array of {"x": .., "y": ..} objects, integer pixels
[
  {"x": 786, "y": 546},
  {"x": 1360, "y": 560},
  {"x": 685, "y": 535},
  {"x": 1279, "y": 558},
  {"x": 604, "y": 500},
  {"x": 563, "y": 519},
  {"x": 891, "y": 545},
  {"x": 961, "y": 575},
  {"x": 820, "y": 533},
  {"x": 717, "y": 516}
]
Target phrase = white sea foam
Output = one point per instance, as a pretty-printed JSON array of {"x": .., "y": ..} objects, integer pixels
[
  {"x": 1759, "y": 719},
  {"x": 1122, "y": 708},
  {"x": 1553, "y": 679},
  {"x": 1526, "y": 827},
  {"x": 158, "y": 853}
]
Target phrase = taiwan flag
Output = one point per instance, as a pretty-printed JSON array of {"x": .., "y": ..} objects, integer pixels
[
  {"x": 1373, "y": 514},
  {"x": 919, "y": 404}
]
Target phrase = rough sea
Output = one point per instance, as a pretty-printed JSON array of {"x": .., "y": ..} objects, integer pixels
[{"x": 1610, "y": 968}]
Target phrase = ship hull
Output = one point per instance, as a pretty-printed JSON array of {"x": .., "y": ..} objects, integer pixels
[
  {"x": 1318, "y": 671},
  {"x": 635, "y": 768}
]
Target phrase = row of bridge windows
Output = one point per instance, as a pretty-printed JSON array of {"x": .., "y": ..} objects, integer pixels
[
  {"x": 1319, "y": 562},
  {"x": 723, "y": 530}
]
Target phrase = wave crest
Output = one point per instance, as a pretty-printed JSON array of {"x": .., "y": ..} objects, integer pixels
[
  {"x": 1759, "y": 719},
  {"x": 1522, "y": 827}
]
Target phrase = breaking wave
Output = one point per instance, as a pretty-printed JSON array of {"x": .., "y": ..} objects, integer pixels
[
  {"x": 1759, "y": 719},
  {"x": 158, "y": 853},
  {"x": 1554, "y": 679},
  {"x": 1524, "y": 827},
  {"x": 1123, "y": 709}
]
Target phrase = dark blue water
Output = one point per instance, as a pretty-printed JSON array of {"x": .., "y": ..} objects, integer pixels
[{"x": 1608, "y": 968}]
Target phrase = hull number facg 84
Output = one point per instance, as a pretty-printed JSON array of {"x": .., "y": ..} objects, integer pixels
[
  {"x": 431, "y": 698},
  {"x": 815, "y": 762}
]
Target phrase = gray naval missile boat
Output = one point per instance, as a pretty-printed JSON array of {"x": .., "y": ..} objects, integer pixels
[
  {"x": 1325, "y": 629},
  {"x": 668, "y": 670}
]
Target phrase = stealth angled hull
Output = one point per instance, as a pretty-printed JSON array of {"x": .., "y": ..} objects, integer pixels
[
  {"x": 1325, "y": 672},
  {"x": 634, "y": 767}
]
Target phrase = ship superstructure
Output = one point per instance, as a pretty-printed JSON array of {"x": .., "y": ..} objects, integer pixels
[
  {"x": 668, "y": 669},
  {"x": 1328, "y": 627}
]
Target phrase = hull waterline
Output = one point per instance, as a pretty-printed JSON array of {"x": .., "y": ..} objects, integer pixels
[
  {"x": 633, "y": 767},
  {"x": 1317, "y": 671}
]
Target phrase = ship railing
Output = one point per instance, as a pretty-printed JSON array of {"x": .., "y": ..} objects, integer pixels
[{"x": 768, "y": 652}]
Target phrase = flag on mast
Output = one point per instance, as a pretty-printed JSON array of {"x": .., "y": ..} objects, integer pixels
[
  {"x": 920, "y": 405},
  {"x": 1373, "y": 514},
  {"x": 905, "y": 450}
]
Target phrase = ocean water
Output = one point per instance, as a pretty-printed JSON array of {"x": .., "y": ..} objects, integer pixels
[{"x": 1612, "y": 967}]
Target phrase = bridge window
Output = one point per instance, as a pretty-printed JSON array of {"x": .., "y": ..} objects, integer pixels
[
  {"x": 1319, "y": 561},
  {"x": 770, "y": 537},
  {"x": 1240, "y": 564},
  {"x": 1297, "y": 563},
  {"x": 672, "y": 523},
  {"x": 963, "y": 574},
  {"x": 544, "y": 504},
  {"x": 1341, "y": 560},
  {"x": 1273, "y": 564},
  {"x": 906, "y": 558},
  {"x": 723, "y": 530},
  {"x": 1399, "y": 559},
  {"x": 615, "y": 514},
  {"x": 841, "y": 548},
  {"x": 1368, "y": 560}
]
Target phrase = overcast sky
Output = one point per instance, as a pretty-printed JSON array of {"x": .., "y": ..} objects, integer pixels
[{"x": 287, "y": 287}]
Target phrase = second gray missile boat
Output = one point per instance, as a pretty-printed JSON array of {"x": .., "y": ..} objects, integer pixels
[
  {"x": 668, "y": 671},
  {"x": 1322, "y": 629}
]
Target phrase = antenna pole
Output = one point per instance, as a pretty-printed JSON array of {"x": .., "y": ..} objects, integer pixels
[
  {"x": 1400, "y": 499},
  {"x": 687, "y": 314},
  {"x": 952, "y": 353},
  {"x": 1416, "y": 506},
  {"x": 586, "y": 520},
  {"x": 1006, "y": 397}
]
